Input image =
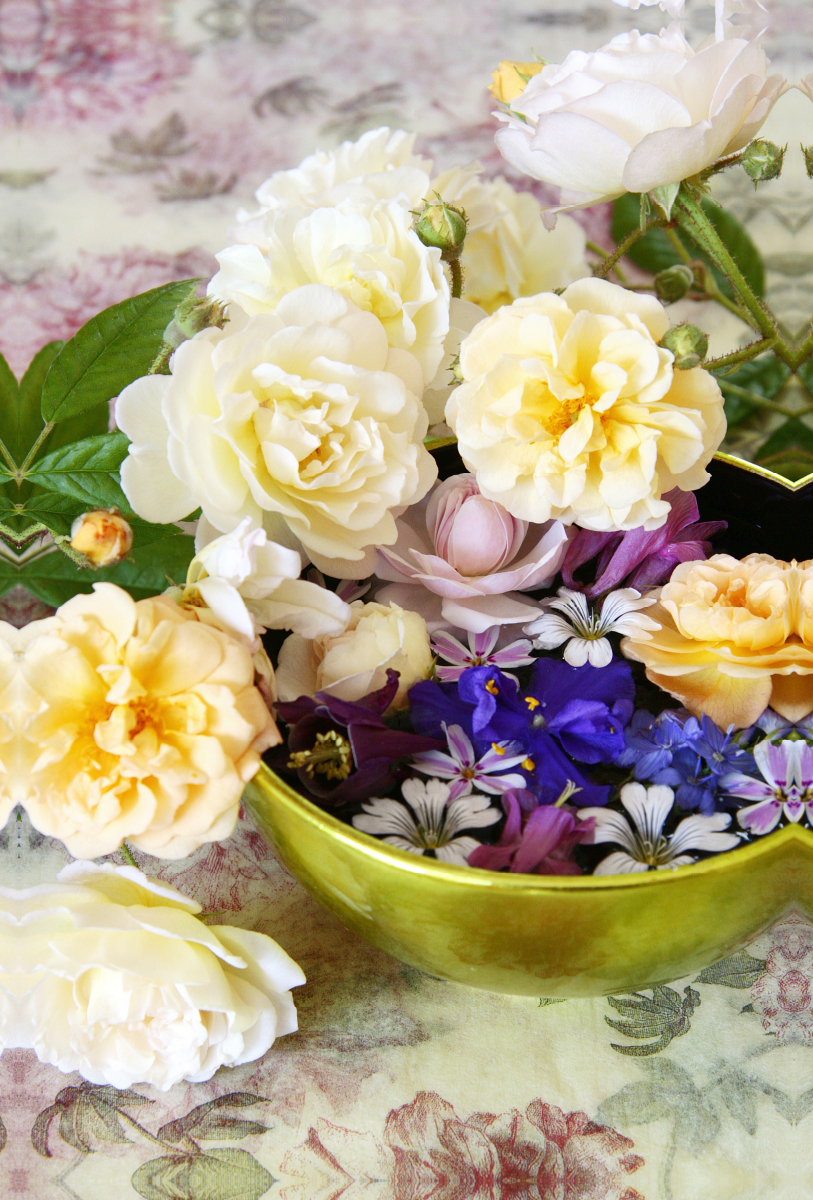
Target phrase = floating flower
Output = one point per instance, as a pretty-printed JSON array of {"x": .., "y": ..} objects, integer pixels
[
  {"x": 480, "y": 652},
  {"x": 471, "y": 556},
  {"x": 430, "y": 820},
  {"x": 244, "y": 583},
  {"x": 645, "y": 846},
  {"x": 538, "y": 839},
  {"x": 733, "y": 638},
  {"x": 633, "y": 115},
  {"x": 689, "y": 776},
  {"x": 342, "y": 750},
  {"x": 651, "y": 742},
  {"x": 354, "y": 661},
  {"x": 585, "y": 631},
  {"x": 642, "y": 558},
  {"x": 786, "y": 786},
  {"x": 462, "y": 765},
  {"x": 302, "y": 419},
  {"x": 148, "y": 729},
  {"x": 570, "y": 409}
]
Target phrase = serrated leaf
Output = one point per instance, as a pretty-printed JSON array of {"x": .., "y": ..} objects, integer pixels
[
  {"x": 739, "y": 970},
  {"x": 54, "y": 578},
  {"x": 227, "y": 1174},
  {"x": 110, "y": 351},
  {"x": 87, "y": 471},
  {"x": 655, "y": 252}
]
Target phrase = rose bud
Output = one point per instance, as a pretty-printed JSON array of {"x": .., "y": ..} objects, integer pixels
[
  {"x": 102, "y": 536},
  {"x": 763, "y": 160},
  {"x": 440, "y": 224},
  {"x": 673, "y": 283},
  {"x": 689, "y": 345}
]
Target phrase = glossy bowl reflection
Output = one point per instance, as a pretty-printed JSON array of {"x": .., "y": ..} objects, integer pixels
[{"x": 535, "y": 935}]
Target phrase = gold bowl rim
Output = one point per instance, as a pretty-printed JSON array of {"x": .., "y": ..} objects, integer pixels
[
  {"x": 373, "y": 848},
  {"x": 755, "y": 469}
]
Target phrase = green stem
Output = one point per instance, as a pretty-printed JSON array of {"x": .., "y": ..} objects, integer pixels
[
  {"x": 799, "y": 353},
  {"x": 760, "y": 401},
  {"x": 693, "y": 219},
  {"x": 9, "y": 461},
  {"x": 620, "y": 275},
  {"x": 457, "y": 277},
  {"x": 32, "y": 453},
  {"x": 752, "y": 350},
  {"x": 709, "y": 282},
  {"x": 127, "y": 855},
  {"x": 603, "y": 269}
]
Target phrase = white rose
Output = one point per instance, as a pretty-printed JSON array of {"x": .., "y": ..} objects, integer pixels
[
  {"x": 570, "y": 409},
  {"x": 639, "y": 113},
  {"x": 368, "y": 252},
  {"x": 508, "y": 252},
  {"x": 380, "y": 165},
  {"x": 248, "y": 583},
  {"x": 126, "y": 985},
  {"x": 378, "y": 638},
  {"x": 303, "y": 419}
]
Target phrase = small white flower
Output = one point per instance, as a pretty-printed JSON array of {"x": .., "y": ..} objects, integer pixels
[
  {"x": 646, "y": 847},
  {"x": 431, "y": 822},
  {"x": 585, "y": 630}
]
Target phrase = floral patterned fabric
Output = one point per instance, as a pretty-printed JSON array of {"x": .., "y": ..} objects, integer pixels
[{"x": 130, "y": 130}]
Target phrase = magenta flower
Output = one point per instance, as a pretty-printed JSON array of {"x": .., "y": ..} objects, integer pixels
[
  {"x": 640, "y": 558},
  {"x": 538, "y": 839},
  {"x": 480, "y": 653},
  {"x": 462, "y": 765},
  {"x": 786, "y": 786},
  {"x": 461, "y": 560}
]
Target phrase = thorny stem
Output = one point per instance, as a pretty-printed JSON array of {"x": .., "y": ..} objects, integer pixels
[
  {"x": 620, "y": 275},
  {"x": 457, "y": 277},
  {"x": 603, "y": 269},
  {"x": 746, "y": 354},
  {"x": 127, "y": 855}
]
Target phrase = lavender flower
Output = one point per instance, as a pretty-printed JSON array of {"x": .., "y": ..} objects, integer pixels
[
  {"x": 786, "y": 787},
  {"x": 468, "y": 771},
  {"x": 480, "y": 653}
]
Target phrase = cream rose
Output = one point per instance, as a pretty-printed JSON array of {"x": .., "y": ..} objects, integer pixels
[
  {"x": 368, "y": 252},
  {"x": 149, "y": 726},
  {"x": 644, "y": 111},
  {"x": 570, "y": 409},
  {"x": 352, "y": 664},
  {"x": 303, "y": 419},
  {"x": 734, "y": 638},
  {"x": 508, "y": 252},
  {"x": 122, "y": 982}
]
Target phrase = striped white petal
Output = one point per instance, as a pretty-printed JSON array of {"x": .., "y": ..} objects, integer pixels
[
  {"x": 620, "y": 863},
  {"x": 702, "y": 833},
  {"x": 457, "y": 851},
  {"x": 648, "y": 807},
  {"x": 610, "y": 826}
]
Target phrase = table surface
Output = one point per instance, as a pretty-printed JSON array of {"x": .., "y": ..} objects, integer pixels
[{"x": 130, "y": 132}]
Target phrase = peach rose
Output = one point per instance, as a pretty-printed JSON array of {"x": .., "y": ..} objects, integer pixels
[
  {"x": 735, "y": 637},
  {"x": 149, "y": 725}
]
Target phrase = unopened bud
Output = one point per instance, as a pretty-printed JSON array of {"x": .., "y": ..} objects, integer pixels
[
  {"x": 440, "y": 224},
  {"x": 689, "y": 345},
  {"x": 191, "y": 316},
  {"x": 102, "y": 536},
  {"x": 673, "y": 283},
  {"x": 510, "y": 78},
  {"x": 763, "y": 160},
  {"x": 808, "y": 153}
]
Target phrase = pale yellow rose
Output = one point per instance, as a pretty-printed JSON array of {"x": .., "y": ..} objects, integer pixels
[
  {"x": 734, "y": 638},
  {"x": 510, "y": 78},
  {"x": 148, "y": 729},
  {"x": 570, "y": 409},
  {"x": 350, "y": 665}
]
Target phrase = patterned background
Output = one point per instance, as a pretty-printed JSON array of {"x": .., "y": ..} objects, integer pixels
[{"x": 130, "y": 130}]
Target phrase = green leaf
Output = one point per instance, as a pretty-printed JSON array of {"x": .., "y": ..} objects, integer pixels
[
  {"x": 739, "y": 1094},
  {"x": 226, "y": 1174},
  {"x": 54, "y": 578},
  {"x": 9, "y": 405},
  {"x": 29, "y": 422},
  {"x": 110, "y": 351},
  {"x": 788, "y": 451},
  {"x": 208, "y": 1117},
  {"x": 740, "y": 970},
  {"x": 87, "y": 471},
  {"x": 662, "y": 1016},
  {"x": 655, "y": 252},
  {"x": 763, "y": 377}
]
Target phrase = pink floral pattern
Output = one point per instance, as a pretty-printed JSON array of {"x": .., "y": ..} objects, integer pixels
[{"x": 783, "y": 996}]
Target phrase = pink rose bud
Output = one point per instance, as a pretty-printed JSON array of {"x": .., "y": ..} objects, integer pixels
[{"x": 474, "y": 535}]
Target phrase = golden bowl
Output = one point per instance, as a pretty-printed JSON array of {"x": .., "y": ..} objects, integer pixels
[{"x": 563, "y": 936}]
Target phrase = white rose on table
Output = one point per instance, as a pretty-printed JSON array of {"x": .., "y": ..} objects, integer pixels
[
  {"x": 123, "y": 983},
  {"x": 508, "y": 252},
  {"x": 570, "y": 409},
  {"x": 303, "y": 419},
  {"x": 644, "y": 111},
  {"x": 352, "y": 664},
  {"x": 368, "y": 252}
]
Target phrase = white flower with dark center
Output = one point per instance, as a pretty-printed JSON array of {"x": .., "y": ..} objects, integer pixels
[
  {"x": 645, "y": 846},
  {"x": 462, "y": 766},
  {"x": 430, "y": 820},
  {"x": 584, "y": 629}
]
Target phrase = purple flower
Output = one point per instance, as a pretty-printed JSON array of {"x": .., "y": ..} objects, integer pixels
[
  {"x": 719, "y": 749},
  {"x": 463, "y": 766},
  {"x": 480, "y": 653},
  {"x": 786, "y": 786},
  {"x": 536, "y": 839},
  {"x": 342, "y": 750},
  {"x": 642, "y": 558},
  {"x": 692, "y": 788},
  {"x": 651, "y": 741}
]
